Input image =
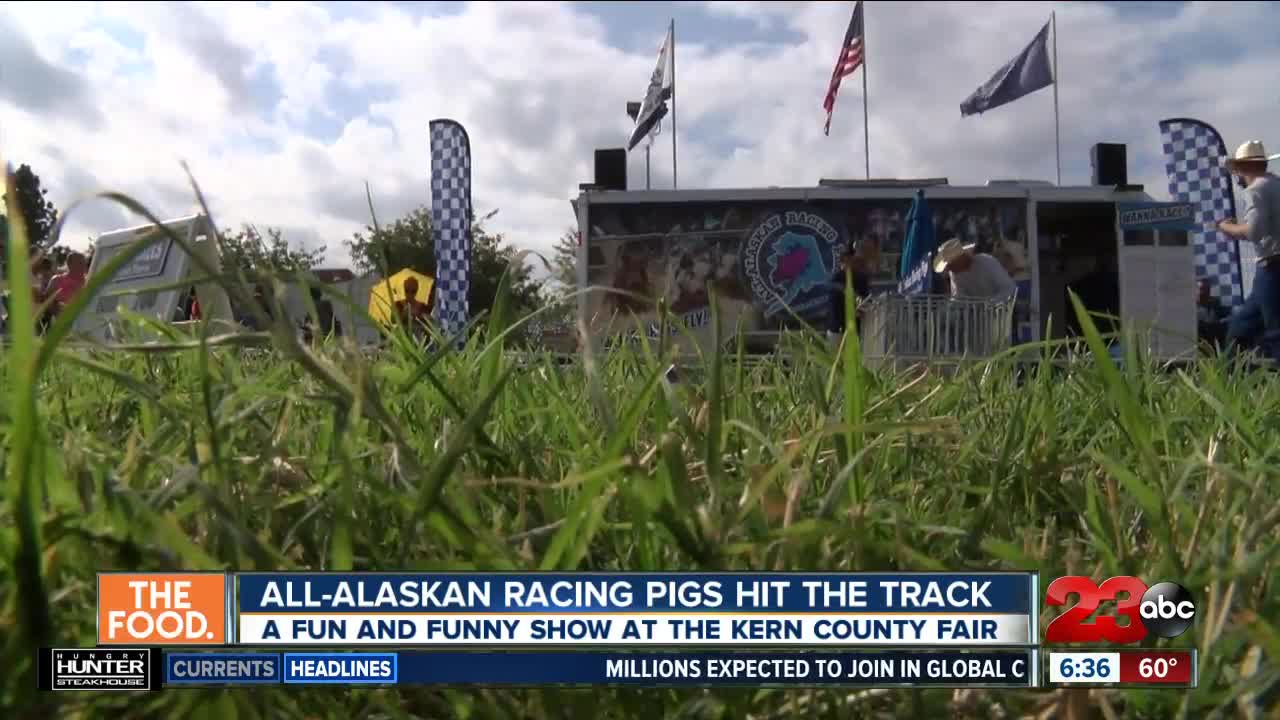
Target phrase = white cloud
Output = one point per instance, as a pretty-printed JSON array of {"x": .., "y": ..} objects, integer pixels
[{"x": 284, "y": 110}]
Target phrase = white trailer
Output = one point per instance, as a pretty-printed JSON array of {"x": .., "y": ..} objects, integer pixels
[
  {"x": 151, "y": 284},
  {"x": 742, "y": 246}
]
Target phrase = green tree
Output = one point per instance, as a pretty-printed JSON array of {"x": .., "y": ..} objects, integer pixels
[
  {"x": 37, "y": 210},
  {"x": 407, "y": 243},
  {"x": 564, "y": 259},
  {"x": 255, "y": 252}
]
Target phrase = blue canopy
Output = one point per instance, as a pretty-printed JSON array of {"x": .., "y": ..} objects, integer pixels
[{"x": 917, "y": 249}]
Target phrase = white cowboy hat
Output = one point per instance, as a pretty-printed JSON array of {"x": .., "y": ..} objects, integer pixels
[
  {"x": 949, "y": 252},
  {"x": 1251, "y": 151}
]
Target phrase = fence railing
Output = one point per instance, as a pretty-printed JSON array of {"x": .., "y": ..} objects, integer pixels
[{"x": 934, "y": 327}]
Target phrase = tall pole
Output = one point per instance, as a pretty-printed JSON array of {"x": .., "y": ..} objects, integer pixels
[
  {"x": 647, "y": 148},
  {"x": 1057, "y": 133},
  {"x": 674, "y": 182},
  {"x": 866, "y": 124}
]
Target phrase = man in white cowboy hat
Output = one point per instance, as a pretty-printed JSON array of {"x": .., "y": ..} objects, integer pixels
[
  {"x": 1259, "y": 317},
  {"x": 973, "y": 275}
]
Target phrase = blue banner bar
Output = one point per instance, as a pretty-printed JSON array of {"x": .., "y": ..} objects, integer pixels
[
  {"x": 470, "y": 593},
  {"x": 645, "y": 669},
  {"x": 945, "y": 669}
]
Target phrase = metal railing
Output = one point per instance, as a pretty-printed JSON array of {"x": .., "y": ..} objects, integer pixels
[{"x": 934, "y": 327}]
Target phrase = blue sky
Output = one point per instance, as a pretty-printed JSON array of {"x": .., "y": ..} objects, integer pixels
[{"x": 285, "y": 110}]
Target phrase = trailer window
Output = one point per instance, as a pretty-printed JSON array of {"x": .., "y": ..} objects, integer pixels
[
  {"x": 1173, "y": 238},
  {"x": 1139, "y": 237}
]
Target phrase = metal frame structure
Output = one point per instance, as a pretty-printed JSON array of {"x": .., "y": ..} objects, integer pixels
[{"x": 931, "y": 328}]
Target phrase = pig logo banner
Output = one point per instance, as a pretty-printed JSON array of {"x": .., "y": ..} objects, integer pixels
[
  {"x": 1194, "y": 154},
  {"x": 787, "y": 261},
  {"x": 451, "y": 222}
]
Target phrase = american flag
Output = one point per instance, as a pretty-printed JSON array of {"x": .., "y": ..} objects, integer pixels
[{"x": 850, "y": 59}]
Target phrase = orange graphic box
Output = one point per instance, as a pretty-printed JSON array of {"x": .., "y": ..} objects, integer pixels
[{"x": 162, "y": 609}]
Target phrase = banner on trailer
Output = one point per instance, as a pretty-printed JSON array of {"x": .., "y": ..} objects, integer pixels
[
  {"x": 1157, "y": 216},
  {"x": 1194, "y": 155},
  {"x": 451, "y": 216},
  {"x": 636, "y": 609},
  {"x": 690, "y": 254},
  {"x": 991, "y": 668}
]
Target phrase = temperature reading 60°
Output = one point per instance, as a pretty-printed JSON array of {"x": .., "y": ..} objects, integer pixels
[{"x": 1156, "y": 667}]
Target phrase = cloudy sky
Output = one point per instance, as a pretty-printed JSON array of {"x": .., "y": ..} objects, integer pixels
[{"x": 284, "y": 110}]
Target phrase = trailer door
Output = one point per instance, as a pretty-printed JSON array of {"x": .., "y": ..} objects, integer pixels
[
  {"x": 1176, "y": 293},
  {"x": 1157, "y": 289}
]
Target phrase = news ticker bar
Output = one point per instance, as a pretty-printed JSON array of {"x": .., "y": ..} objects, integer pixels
[
  {"x": 569, "y": 609},
  {"x": 1167, "y": 668},
  {"x": 151, "y": 668}
]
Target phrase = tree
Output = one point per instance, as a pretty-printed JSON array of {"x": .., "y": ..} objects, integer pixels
[
  {"x": 407, "y": 243},
  {"x": 37, "y": 210},
  {"x": 253, "y": 253},
  {"x": 564, "y": 259}
]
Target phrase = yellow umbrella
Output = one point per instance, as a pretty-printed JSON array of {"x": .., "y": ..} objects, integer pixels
[{"x": 386, "y": 293}]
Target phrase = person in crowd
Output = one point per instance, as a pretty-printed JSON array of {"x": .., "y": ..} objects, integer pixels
[
  {"x": 1257, "y": 320},
  {"x": 973, "y": 274},
  {"x": 326, "y": 319},
  {"x": 65, "y": 286},
  {"x": 853, "y": 262},
  {"x": 249, "y": 318},
  {"x": 1099, "y": 292},
  {"x": 1211, "y": 316},
  {"x": 410, "y": 312},
  {"x": 329, "y": 323},
  {"x": 41, "y": 292}
]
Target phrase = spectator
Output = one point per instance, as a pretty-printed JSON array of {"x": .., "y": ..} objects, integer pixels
[
  {"x": 973, "y": 275},
  {"x": 65, "y": 286},
  {"x": 1211, "y": 316},
  {"x": 853, "y": 262},
  {"x": 41, "y": 292},
  {"x": 1099, "y": 292},
  {"x": 1257, "y": 320},
  {"x": 247, "y": 316},
  {"x": 411, "y": 313},
  {"x": 328, "y": 319}
]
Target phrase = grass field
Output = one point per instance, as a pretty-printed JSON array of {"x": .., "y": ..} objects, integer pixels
[{"x": 211, "y": 456}]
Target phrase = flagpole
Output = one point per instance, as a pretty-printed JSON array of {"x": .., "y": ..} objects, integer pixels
[
  {"x": 1057, "y": 133},
  {"x": 866, "y": 124},
  {"x": 674, "y": 183}
]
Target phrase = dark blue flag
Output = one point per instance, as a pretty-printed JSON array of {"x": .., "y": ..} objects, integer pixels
[
  {"x": 917, "y": 249},
  {"x": 1023, "y": 75}
]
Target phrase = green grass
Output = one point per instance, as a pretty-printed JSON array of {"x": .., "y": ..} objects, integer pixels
[{"x": 200, "y": 454}]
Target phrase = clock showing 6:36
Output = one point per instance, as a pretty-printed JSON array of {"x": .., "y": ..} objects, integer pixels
[{"x": 1084, "y": 667}]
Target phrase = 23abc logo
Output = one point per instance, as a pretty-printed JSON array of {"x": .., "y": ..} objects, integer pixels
[{"x": 1164, "y": 609}]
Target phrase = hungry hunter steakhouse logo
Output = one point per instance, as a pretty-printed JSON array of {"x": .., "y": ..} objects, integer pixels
[{"x": 101, "y": 669}]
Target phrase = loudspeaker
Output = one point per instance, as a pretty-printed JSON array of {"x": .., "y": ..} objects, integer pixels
[
  {"x": 611, "y": 169},
  {"x": 1110, "y": 167}
]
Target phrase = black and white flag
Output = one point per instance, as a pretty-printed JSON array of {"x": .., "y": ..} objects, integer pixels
[{"x": 654, "y": 107}]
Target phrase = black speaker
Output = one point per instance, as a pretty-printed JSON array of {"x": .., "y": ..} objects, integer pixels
[
  {"x": 1110, "y": 167},
  {"x": 611, "y": 169}
]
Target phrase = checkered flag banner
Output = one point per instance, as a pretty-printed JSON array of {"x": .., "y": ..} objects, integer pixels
[
  {"x": 1194, "y": 156},
  {"x": 451, "y": 222}
]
